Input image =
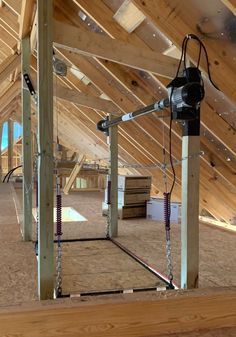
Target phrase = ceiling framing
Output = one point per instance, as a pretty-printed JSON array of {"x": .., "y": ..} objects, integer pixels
[{"x": 126, "y": 62}]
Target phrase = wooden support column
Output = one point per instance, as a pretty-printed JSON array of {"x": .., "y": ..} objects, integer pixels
[
  {"x": 10, "y": 144},
  {"x": 190, "y": 212},
  {"x": 113, "y": 209},
  {"x": 45, "y": 141},
  {"x": 1, "y": 128},
  {"x": 27, "y": 154}
]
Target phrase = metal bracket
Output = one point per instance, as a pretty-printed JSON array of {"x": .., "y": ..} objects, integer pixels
[{"x": 29, "y": 84}]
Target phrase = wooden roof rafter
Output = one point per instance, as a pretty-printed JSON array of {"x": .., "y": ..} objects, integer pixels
[
  {"x": 176, "y": 27},
  {"x": 222, "y": 130},
  {"x": 85, "y": 72},
  {"x": 128, "y": 90}
]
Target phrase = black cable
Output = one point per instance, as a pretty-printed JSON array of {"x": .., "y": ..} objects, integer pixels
[
  {"x": 202, "y": 46},
  {"x": 183, "y": 56},
  {"x": 10, "y": 173}
]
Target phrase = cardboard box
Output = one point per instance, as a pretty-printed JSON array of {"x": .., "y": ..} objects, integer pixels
[{"x": 155, "y": 210}]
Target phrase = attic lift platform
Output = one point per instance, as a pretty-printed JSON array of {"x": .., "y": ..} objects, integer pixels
[{"x": 184, "y": 96}]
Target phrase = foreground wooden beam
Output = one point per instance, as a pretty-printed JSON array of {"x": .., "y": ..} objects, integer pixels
[
  {"x": 93, "y": 44},
  {"x": 45, "y": 142},
  {"x": 27, "y": 157},
  {"x": 136, "y": 318}
]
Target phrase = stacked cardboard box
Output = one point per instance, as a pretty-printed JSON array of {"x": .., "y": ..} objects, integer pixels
[{"x": 133, "y": 193}]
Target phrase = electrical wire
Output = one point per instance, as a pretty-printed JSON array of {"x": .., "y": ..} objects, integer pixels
[{"x": 183, "y": 56}]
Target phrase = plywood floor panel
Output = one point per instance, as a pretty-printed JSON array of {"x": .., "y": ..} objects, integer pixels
[{"x": 101, "y": 266}]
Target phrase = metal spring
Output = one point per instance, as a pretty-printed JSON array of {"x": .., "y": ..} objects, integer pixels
[
  {"x": 167, "y": 214},
  {"x": 59, "y": 215},
  {"x": 36, "y": 193}
]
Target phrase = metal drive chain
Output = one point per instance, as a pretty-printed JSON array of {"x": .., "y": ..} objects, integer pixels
[
  {"x": 169, "y": 261},
  {"x": 35, "y": 179}
]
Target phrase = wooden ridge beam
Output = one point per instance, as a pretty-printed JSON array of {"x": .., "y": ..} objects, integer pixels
[
  {"x": 141, "y": 318},
  {"x": 92, "y": 44}
]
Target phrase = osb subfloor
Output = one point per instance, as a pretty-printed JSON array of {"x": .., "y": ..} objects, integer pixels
[
  {"x": 145, "y": 238},
  {"x": 101, "y": 266}
]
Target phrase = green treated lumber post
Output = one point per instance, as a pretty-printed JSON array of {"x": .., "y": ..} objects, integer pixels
[
  {"x": 27, "y": 153},
  {"x": 45, "y": 141}
]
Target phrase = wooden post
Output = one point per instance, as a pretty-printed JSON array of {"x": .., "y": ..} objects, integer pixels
[
  {"x": 10, "y": 144},
  {"x": 1, "y": 127},
  {"x": 190, "y": 212},
  {"x": 113, "y": 209},
  {"x": 27, "y": 154},
  {"x": 45, "y": 141}
]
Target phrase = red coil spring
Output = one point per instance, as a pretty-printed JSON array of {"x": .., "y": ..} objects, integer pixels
[
  {"x": 167, "y": 214},
  {"x": 59, "y": 215},
  {"x": 108, "y": 192},
  {"x": 36, "y": 193}
]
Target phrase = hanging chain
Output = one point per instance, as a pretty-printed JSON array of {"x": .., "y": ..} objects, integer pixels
[
  {"x": 167, "y": 212},
  {"x": 108, "y": 202},
  {"x": 58, "y": 271},
  {"x": 35, "y": 179}
]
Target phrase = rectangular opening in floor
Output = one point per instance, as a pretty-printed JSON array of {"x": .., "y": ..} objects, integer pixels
[{"x": 69, "y": 214}]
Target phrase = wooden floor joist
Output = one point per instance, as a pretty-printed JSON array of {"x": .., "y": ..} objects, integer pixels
[{"x": 178, "y": 314}]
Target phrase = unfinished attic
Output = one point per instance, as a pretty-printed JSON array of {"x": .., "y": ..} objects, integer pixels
[{"x": 117, "y": 168}]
